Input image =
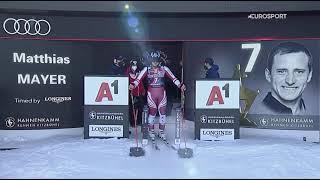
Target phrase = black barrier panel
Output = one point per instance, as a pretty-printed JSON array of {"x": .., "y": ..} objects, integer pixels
[
  {"x": 106, "y": 121},
  {"x": 41, "y": 85},
  {"x": 217, "y": 119},
  {"x": 217, "y": 114},
  {"x": 106, "y": 110}
]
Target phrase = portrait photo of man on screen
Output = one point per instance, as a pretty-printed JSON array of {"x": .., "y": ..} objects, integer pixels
[{"x": 288, "y": 71}]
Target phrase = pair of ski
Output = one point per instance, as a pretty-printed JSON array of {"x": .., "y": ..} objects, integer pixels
[
  {"x": 145, "y": 133},
  {"x": 155, "y": 144},
  {"x": 7, "y": 149}
]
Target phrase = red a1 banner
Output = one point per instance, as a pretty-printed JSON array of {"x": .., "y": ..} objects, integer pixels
[
  {"x": 106, "y": 106},
  {"x": 217, "y": 109}
]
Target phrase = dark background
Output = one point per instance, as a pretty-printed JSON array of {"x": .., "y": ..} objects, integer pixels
[
  {"x": 227, "y": 54},
  {"x": 85, "y": 37},
  {"x": 86, "y": 58},
  {"x": 69, "y": 111},
  {"x": 104, "y": 53},
  {"x": 171, "y": 26}
]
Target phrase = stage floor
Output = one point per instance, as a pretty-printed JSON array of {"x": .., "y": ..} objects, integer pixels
[{"x": 254, "y": 155}]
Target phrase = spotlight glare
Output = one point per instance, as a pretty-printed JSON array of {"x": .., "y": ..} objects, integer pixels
[
  {"x": 133, "y": 22},
  {"x": 126, "y": 6}
]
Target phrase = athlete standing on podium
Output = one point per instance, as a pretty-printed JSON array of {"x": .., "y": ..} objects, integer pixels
[{"x": 156, "y": 93}]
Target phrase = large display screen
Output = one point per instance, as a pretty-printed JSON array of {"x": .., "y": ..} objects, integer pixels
[{"x": 44, "y": 58}]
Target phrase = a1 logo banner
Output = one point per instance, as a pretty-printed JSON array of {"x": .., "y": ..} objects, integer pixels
[
  {"x": 217, "y": 94},
  {"x": 106, "y": 90}
]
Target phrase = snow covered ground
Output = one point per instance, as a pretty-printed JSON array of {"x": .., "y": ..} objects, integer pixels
[{"x": 252, "y": 156}]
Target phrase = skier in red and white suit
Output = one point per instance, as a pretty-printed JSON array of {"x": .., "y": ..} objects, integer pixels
[{"x": 156, "y": 93}]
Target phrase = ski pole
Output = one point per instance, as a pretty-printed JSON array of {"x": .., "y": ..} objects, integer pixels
[{"x": 135, "y": 119}]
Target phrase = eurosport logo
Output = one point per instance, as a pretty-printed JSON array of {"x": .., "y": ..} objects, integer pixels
[
  {"x": 23, "y": 26},
  {"x": 267, "y": 16}
]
